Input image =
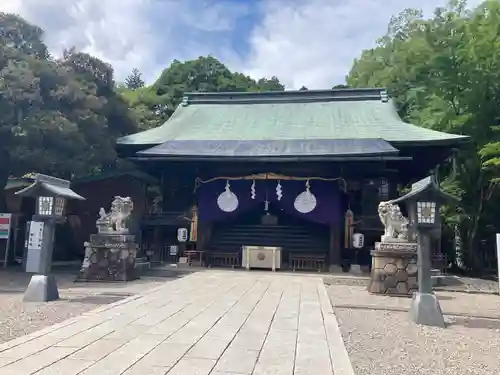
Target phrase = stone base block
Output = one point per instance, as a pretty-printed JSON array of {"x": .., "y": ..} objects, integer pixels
[
  {"x": 109, "y": 259},
  {"x": 41, "y": 288},
  {"x": 356, "y": 270},
  {"x": 425, "y": 310},
  {"x": 394, "y": 269},
  {"x": 112, "y": 240},
  {"x": 333, "y": 268},
  {"x": 142, "y": 265}
]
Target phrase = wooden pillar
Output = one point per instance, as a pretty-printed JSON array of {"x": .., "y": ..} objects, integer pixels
[
  {"x": 393, "y": 188},
  {"x": 335, "y": 255}
]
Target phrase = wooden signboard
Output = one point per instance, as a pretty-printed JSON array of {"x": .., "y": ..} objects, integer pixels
[{"x": 5, "y": 225}]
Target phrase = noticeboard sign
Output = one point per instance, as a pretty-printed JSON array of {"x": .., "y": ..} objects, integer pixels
[
  {"x": 5, "y": 225},
  {"x": 35, "y": 235}
]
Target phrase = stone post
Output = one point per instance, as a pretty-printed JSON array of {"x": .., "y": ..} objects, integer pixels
[
  {"x": 43, "y": 285},
  {"x": 425, "y": 308}
]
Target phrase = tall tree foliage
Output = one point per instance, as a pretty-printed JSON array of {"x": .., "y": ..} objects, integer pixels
[
  {"x": 62, "y": 116},
  {"x": 443, "y": 73},
  {"x": 206, "y": 74},
  {"x": 134, "y": 80},
  {"x": 153, "y": 105},
  {"x": 56, "y": 116}
]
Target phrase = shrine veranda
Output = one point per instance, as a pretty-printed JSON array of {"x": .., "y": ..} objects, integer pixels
[{"x": 296, "y": 170}]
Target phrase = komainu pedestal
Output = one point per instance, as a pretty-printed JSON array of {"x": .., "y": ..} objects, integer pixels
[
  {"x": 110, "y": 254},
  {"x": 394, "y": 269},
  {"x": 109, "y": 257}
]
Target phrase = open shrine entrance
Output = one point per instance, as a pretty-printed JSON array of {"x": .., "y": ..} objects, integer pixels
[{"x": 297, "y": 216}]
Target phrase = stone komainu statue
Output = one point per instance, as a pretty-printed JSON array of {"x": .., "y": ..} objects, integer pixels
[
  {"x": 396, "y": 225},
  {"x": 116, "y": 219}
]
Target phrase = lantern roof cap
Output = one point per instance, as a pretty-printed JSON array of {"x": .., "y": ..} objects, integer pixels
[
  {"x": 51, "y": 186},
  {"x": 425, "y": 186}
]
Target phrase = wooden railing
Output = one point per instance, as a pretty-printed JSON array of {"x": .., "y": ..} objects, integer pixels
[
  {"x": 163, "y": 218},
  {"x": 307, "y": 262},
  {"x": 223, "y": 259},
  {"x": 156, "y": 253},
  {"x": 369, "y": 222},
  {"x": 440, "y": 262},
  {"x": 195, "y": 258}
]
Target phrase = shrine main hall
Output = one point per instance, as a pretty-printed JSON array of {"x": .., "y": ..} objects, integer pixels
[{"x": 297, "y": 172}]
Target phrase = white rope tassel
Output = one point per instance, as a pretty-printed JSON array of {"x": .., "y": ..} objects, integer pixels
[
  {"x": 308, "y": 187},
  {"x": 252, "y": 190},
  {"x": 279, "y": 191}
]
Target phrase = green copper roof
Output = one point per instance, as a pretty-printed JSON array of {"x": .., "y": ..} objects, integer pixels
[{"x": 289, "y": 115}]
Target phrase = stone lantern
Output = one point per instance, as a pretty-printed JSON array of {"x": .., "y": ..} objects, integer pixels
[
  {"x": 51, "y": 195},
  {"x": 424, "y": 201}
]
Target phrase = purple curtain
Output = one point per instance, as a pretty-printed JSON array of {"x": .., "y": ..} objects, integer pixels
[
  {"x": 327, "y": 210},
  {"x": 208, "y": 209}
]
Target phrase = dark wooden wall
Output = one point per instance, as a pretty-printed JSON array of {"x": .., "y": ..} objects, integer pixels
[{"x": 82, "y": 215}]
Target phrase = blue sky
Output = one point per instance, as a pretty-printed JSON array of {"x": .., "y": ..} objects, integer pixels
[{"x": 303, "y": 42}]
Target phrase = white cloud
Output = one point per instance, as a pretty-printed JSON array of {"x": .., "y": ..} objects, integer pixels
[
  {"x": 314, "y": 42},
  {"x": 115, "y": 30},
  {"x": 147, "y": 34},
  {"x": 303, "y": 42}
]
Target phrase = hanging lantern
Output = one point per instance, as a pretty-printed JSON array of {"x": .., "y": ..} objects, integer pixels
[
  {"x": 358, "y": 240},
  {"x": 182, "y": 235}
]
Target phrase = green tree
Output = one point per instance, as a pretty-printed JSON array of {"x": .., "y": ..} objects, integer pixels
[
  {"x": 272, "y": 84},
  {"x": 24, "y": 37},
  {"x": 443, "y": 73},
  {"x": 134, "y": 81},
  {"x": 152, "y": 105},
  {"x": 19, "y": 42},
  {"x": 59, "y": 117},
  {"x": 209, "y": 75},
  {"x": 147, "y": 108}
]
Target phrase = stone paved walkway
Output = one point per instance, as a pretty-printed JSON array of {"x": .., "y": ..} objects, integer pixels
[{"x": 213, "y": 322}]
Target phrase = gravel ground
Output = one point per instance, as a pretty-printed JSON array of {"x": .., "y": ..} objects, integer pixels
[
  {"x": 452, "y": 284},
  {"x": 381, "y": 340},
  {"x": 18, "y": 318}
]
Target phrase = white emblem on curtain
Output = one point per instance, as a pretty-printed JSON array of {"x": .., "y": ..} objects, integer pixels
[
  {"x": 305, "y": 201},
  {"x": 227, "y": 200}
]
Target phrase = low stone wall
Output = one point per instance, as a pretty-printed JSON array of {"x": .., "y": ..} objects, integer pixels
[
  {"x": 394, "y": 270},
  {"x": 109, "y": 258}
]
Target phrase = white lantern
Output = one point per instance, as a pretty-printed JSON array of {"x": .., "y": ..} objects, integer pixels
[
  {"x": 182, "y": 234},
  {"x": 358, "y": 240},
  {"x": 426, "y": 212},
  {"x": 45, "y": 206},
  {"x": 50, "y": 206}
]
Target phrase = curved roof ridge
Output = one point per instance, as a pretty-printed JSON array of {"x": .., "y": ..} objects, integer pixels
[
  {"x": 393, "y": 111},
  {"x": 317, "y": 114},
  {"x": 284, "y": 96}
]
